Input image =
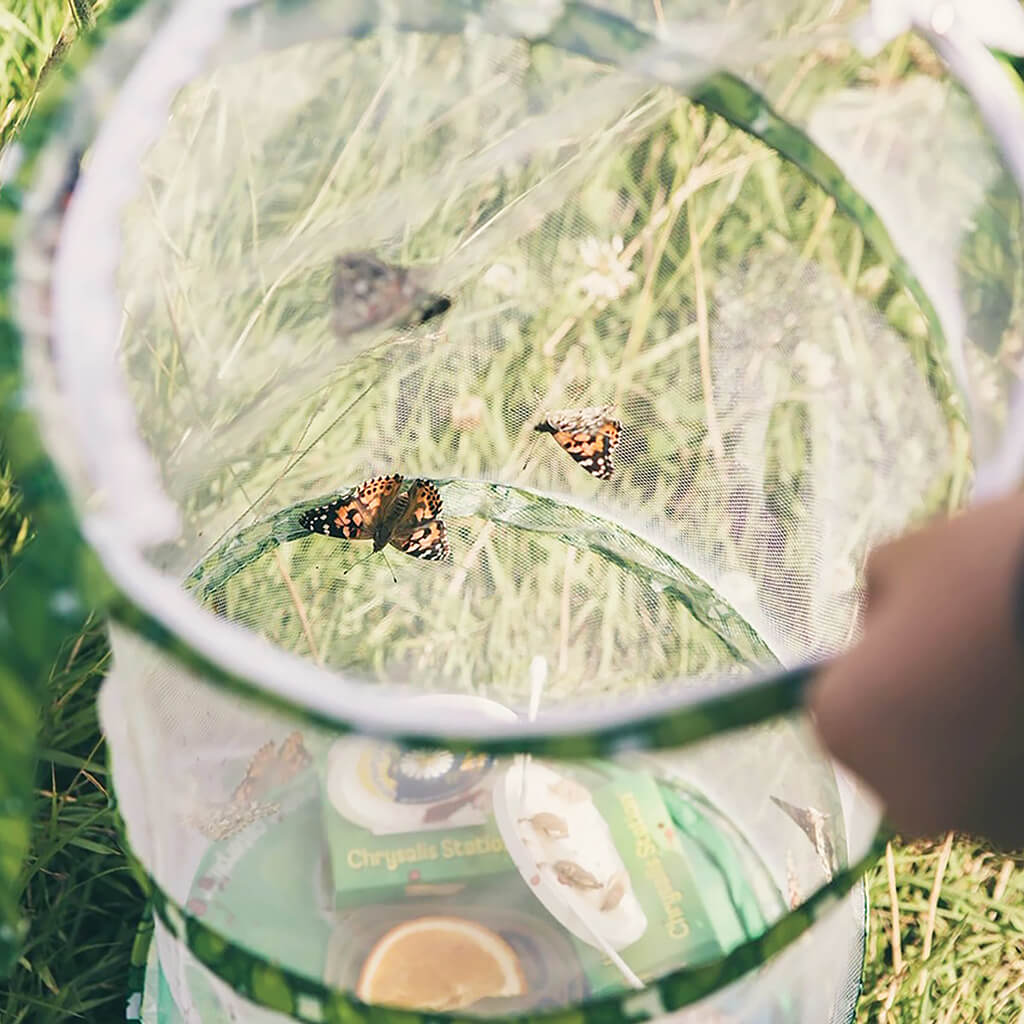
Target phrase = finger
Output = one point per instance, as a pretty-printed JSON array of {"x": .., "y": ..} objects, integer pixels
[
  {"x": 846, "y": 699},
  {"x": 869, "y": 713},
  {"x": 887, "y": 563}
]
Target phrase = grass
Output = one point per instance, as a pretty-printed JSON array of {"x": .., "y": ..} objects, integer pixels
[
  {"x": 946, "y": 917},
  {"x": 31, "y": 34}
]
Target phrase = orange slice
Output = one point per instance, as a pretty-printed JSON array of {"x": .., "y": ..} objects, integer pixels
[{"x": 440, "y": 963}]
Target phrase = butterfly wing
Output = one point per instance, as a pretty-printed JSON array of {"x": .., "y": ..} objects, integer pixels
[
  {"x": 355, "y": 516},
  {"x": 589, "y": 439},
  {"x": 367, "y": 292},
  {"x": 428, "y": 541},
  {"x": 420, "y": 531},
  {"x": 270, "y": 768},
  {"x": 292, "y": 758},
  {"x": 249, "y": 788}
]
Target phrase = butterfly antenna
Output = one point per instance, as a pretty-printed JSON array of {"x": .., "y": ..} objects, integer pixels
[
  {"x": 390, "y": 570},
  {"x": 360, "y": 562},
  {"x": 530, "y": 448}
]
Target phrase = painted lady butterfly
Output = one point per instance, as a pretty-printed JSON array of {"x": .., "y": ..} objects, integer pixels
[
  {"x": 588, "y": 435},
  {"x": 377, "y": 511},
  {"x": 270, "y": 769}
]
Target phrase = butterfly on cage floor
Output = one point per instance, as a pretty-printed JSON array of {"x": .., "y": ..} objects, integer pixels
[
  {"x": 367, "y": 292},
  {"x": 378, "y": 510},
  {"x": 588, "y": 435},
  {"x": 271, "y": 768}
]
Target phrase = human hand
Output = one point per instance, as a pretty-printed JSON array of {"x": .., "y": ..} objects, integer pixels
[{"x": 928, "y": 707}]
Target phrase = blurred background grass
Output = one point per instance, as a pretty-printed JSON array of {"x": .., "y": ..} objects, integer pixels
[{"x": 947, "y": 917}]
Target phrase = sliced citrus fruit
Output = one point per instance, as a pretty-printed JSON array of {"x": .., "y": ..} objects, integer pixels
[{"x": 440, "y": 963}]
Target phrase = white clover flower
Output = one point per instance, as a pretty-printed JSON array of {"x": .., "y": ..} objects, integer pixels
[
  {"x": 817, "y": 365},
  {"x": 503, "y": 279},
  {"x": 609, "y": 277},
  {"x": 467, "y": 412}
]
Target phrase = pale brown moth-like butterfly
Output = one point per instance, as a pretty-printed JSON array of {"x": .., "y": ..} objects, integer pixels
[
  {"x": 814, "y": 824},
  {"x": 367, "y": 292},
  {"x": 270, "y": 768}
]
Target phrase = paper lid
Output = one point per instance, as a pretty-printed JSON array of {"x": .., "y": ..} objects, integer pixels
[{"x": 564, "y": 850}]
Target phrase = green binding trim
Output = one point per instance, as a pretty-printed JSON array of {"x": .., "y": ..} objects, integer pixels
[
  {"x": 735, "y": 101},
  {"x": 279, "y": 988},
  {"x": 516, "y": 507},
  {"x": 140, "y": 956},
  {"x": 522, "y": 509},
  {"x": 747, "y": 703}
]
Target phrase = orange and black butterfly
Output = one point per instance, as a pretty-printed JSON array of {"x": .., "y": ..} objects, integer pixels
[
  {"x": 367, "y": 292},
  {"x": 588, "y": 435},
  {"x": 378, "y": 510}
]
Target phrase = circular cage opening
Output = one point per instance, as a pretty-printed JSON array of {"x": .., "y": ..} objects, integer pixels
[{"x": 442, "y": 370}]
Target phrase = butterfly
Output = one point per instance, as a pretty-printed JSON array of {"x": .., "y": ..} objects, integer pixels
[
  {"x": 377, "y": 511},
  {"x": 270, "y": 769},
  {"x": 814, "y": 824},
  {"x": 588, "y": 435},
  {"x": 367, "y": 292}
]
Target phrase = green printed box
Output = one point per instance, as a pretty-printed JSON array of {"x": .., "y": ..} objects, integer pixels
[
  {"x": 432, "y": 832},
  {"x": 397, "y": 818},
  {"x": 657, "y": 857}
]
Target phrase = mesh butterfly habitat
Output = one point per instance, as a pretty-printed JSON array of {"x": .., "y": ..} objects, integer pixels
[{"x": 474, "y": 418}]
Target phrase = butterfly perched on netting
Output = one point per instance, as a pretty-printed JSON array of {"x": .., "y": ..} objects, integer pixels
[
  {"x": 588, "y": 435},
  {"x": 378, "y": 510},
  {"x": 367, "y": 292},
  {"x": 270, "y": 769},
  {"x": 814, "y": 824}
]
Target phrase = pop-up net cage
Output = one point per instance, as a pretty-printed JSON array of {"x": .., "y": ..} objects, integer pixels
[{"x": 474, "y": 417}]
